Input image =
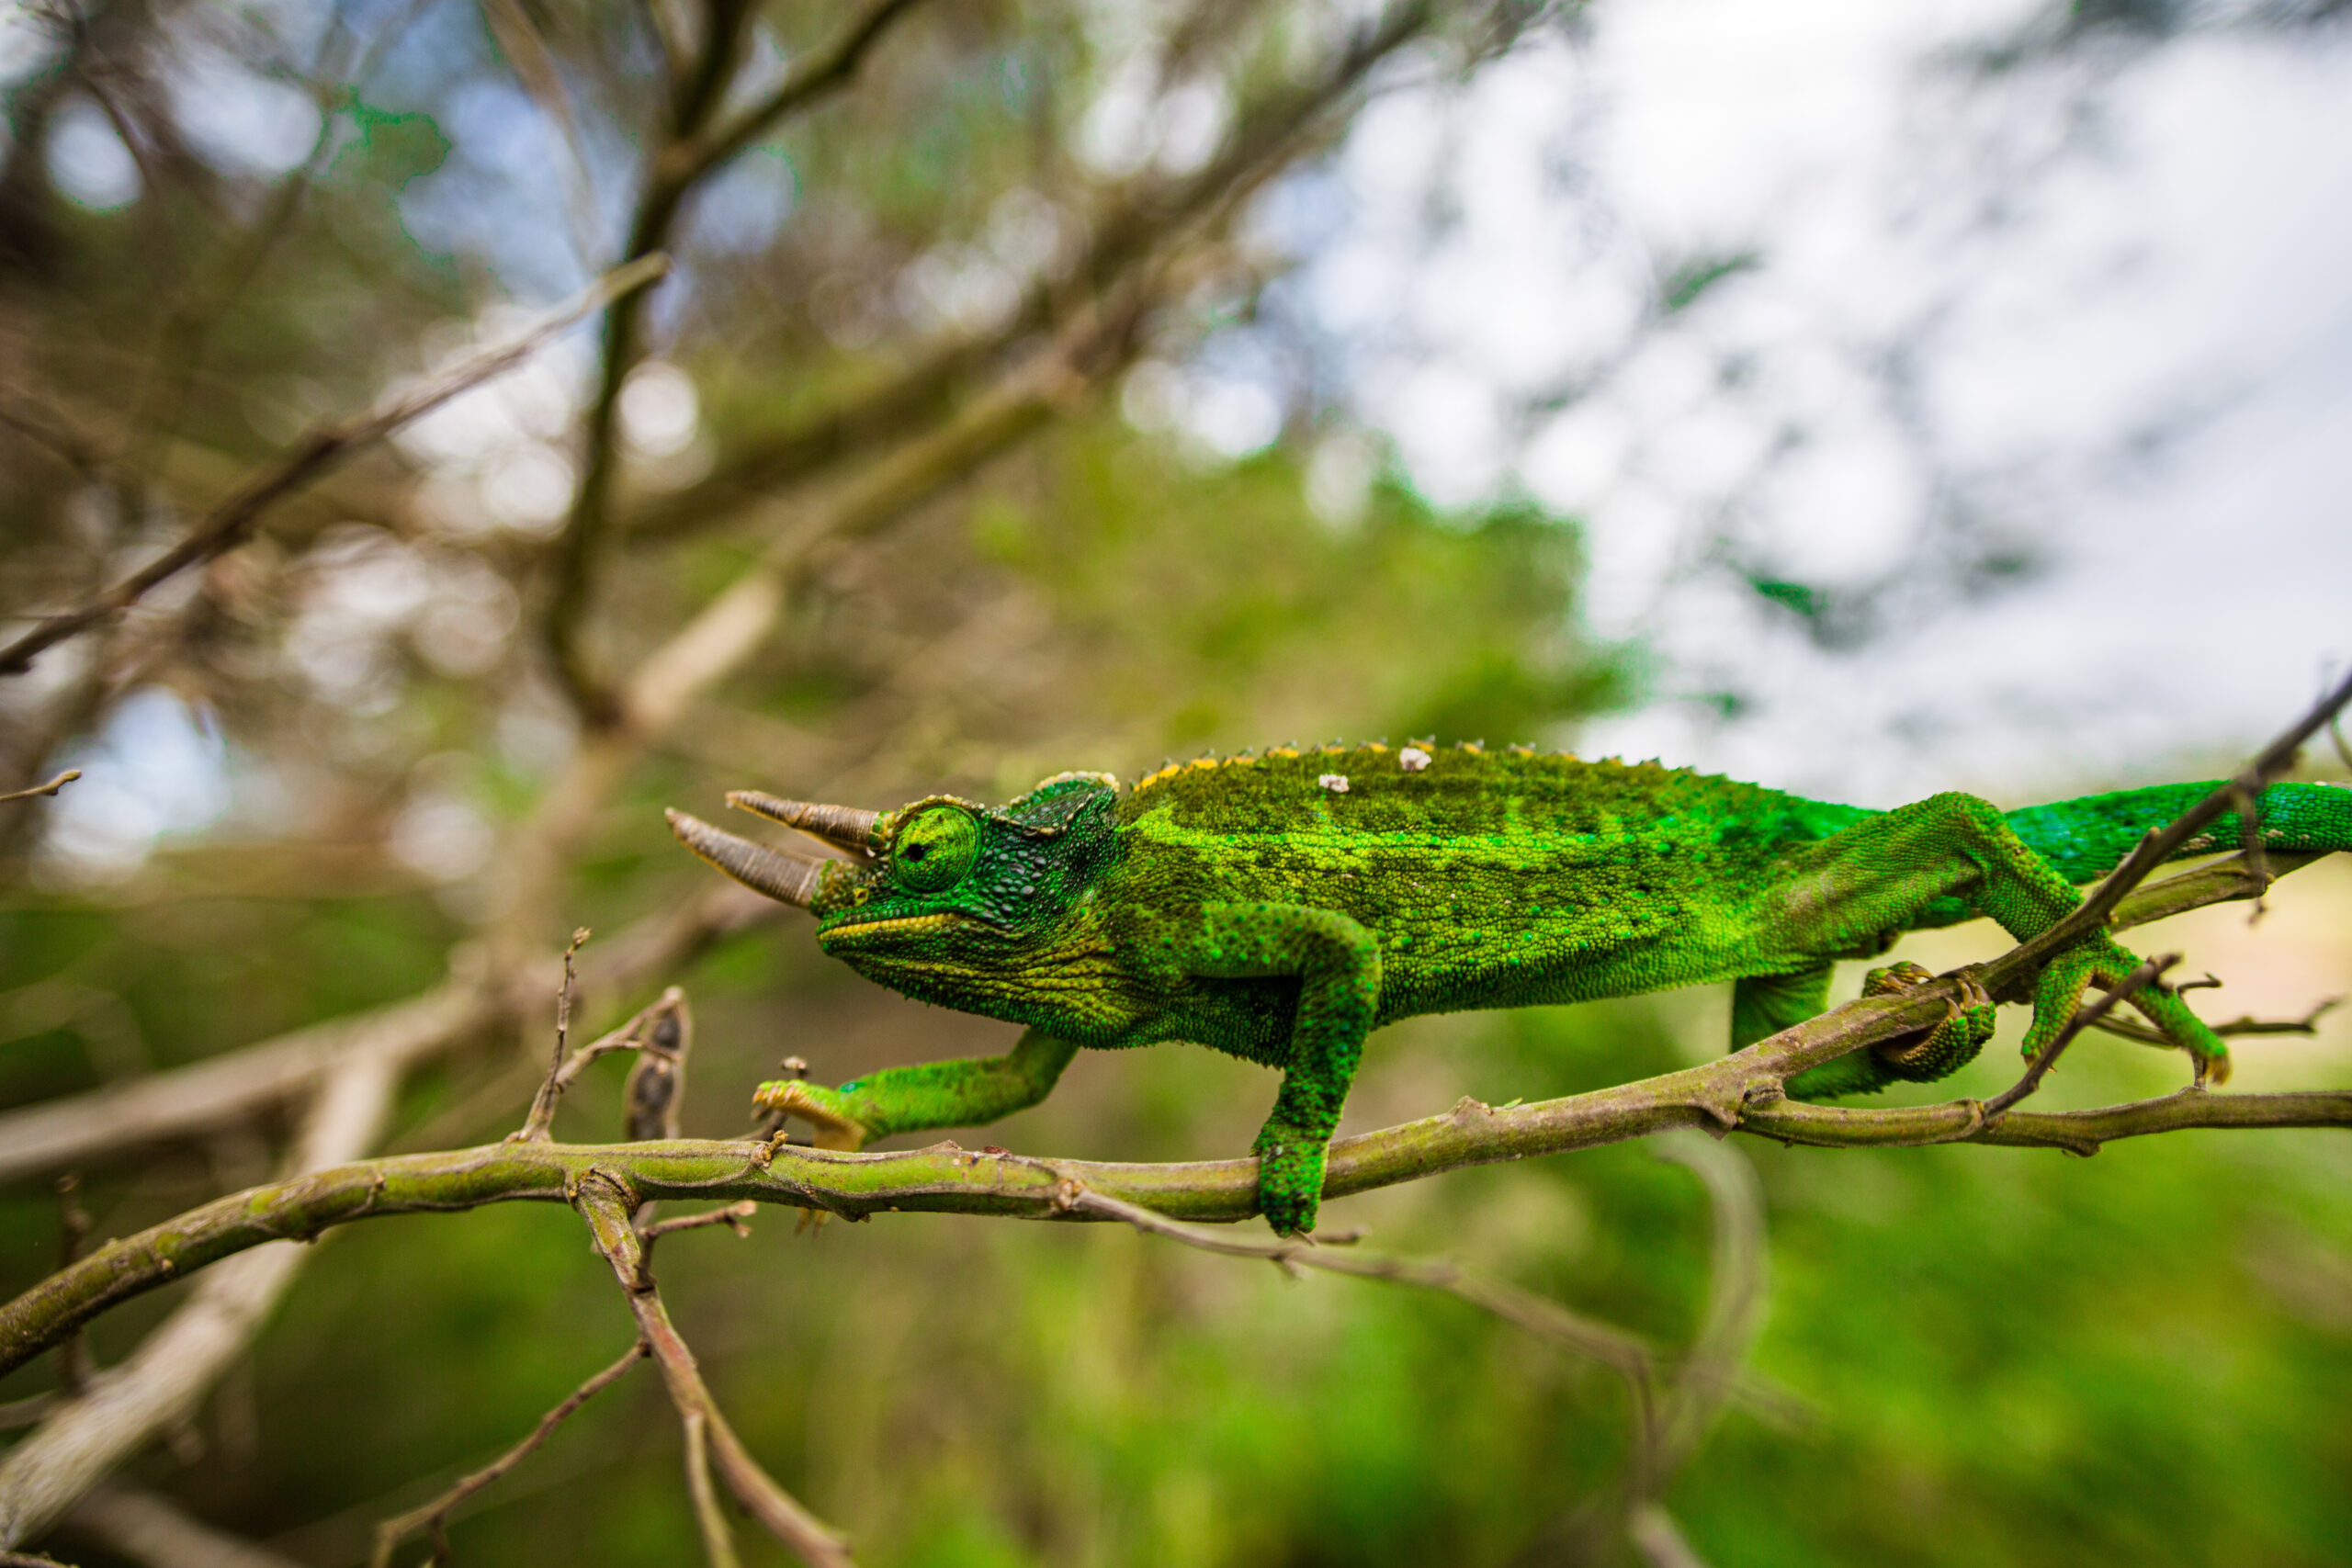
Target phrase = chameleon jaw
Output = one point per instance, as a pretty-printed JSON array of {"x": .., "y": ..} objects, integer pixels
[{"x": 902, "y": 925}]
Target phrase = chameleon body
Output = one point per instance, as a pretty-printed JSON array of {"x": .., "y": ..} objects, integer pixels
[{"x": 1281, "y": 906}]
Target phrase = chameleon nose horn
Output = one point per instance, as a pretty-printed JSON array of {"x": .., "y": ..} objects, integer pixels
[
  {"x": 787, "y": 879},
  {"x": 842, "y": 826}
]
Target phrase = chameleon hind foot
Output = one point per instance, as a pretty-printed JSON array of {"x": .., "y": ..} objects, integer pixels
[
  {"x": 1950, "y": 1044},
  {"x": 1945, "y": 1048},
  {"x": 826, "y": 1109}
]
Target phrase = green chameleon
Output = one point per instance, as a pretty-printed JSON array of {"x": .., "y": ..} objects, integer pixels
[{"x": 1279, "y": 907}]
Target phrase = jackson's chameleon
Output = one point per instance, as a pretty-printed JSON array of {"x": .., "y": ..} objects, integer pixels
[{"x": 1281, "y": 906}]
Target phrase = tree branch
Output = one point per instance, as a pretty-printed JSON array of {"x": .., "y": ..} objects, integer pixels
[
  {"x": 87, "y": 1437},
  {"x": 231, "y": 522},
  {"x": 153, "y": 1529},
  {"x": 607, "y": 1202},
  {"x": 692, "y": 150}
]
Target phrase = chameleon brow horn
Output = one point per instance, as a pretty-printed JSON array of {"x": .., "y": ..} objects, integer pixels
[
  {"x": 843, "y": 826},
  {"x": 786, "y": 878}
]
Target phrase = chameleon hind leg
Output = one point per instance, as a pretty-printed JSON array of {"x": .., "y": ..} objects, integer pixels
[
  {"x": 1845, "y": 893},
  {"x": 1337, "y": 962},
  {"x": 962, "y": 1093},
  {"x": 1766, "y": 1004}
]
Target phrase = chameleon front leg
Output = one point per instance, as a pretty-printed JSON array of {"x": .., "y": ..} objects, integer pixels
[
  {"x": 1337, "y": 962},
  {"x": 966, "y": 1092},
  {"x": 1843, "y": 894}
]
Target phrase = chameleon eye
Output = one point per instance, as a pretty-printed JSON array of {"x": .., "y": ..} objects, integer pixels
[{"x": 934, "y": 849}]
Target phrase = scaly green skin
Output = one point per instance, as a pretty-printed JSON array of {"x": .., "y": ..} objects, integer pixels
[{"x": 1247, "y": 905}]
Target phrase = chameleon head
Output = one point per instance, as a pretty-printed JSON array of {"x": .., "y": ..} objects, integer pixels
[{"x": 942, "y": 900}]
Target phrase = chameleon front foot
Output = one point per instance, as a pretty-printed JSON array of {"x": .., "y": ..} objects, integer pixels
[
  {"x": 829, "y": 1111},
  {"x": 1290, "y": 1180}
]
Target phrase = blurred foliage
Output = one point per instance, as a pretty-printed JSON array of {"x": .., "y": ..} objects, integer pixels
[{"x": 1998, "y": 1355}]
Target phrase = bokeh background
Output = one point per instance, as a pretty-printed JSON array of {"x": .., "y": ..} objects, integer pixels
[{"x": 1862, "y": 397}]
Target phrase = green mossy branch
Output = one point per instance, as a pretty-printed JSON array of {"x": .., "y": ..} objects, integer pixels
[{"x": 1739, "y": 1092}]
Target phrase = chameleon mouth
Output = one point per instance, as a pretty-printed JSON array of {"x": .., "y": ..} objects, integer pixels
[{"x": 858, "y": 932}]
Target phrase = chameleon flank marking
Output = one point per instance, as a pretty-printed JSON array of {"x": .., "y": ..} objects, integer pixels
[{"x": 1254, "y": 905}]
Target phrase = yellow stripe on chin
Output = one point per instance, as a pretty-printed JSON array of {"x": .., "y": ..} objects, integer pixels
[{"x": 904, "y": 923}]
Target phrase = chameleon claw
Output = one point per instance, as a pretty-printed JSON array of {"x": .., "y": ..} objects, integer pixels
[{"x": 835, "y": 1131}]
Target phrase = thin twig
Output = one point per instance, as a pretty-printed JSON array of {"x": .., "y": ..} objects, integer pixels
[
  {"x": 1625, "y": 1353},
  {"x": 230, "y": 522},
  {"x": 435, "y": 1516},
  {"x": 717, "y": 1535},
  {"x": 2084, "y": 1018},
  {"x": 51, "y": 787},
  {"x": 814, "y": 77},
  {"x": 2307, "y": 1024},
  {"x": 536, "y": 1125}
]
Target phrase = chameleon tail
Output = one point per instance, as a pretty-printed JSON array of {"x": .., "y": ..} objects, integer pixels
[{"x": 2085, "y": 837}]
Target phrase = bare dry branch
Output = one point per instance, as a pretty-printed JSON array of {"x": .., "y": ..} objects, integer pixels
[
  {"x": 435, "y": 1516},
  {"x": 2162, "y": 843},
  {"x": 231, "y": 522}
]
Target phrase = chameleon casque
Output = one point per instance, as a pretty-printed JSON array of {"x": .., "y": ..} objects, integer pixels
[{"x": 1281, "y": 906}]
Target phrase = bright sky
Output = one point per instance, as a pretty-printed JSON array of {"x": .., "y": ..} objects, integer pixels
[{"x": 2097, "y": 312}]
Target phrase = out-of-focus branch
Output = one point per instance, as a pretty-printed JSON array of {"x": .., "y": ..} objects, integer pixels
[
  {"x": 51, "y": 787},
  {"x": 1624, "y": 1352},
  {"x": 231, "y": 522},
  {"x": 87, "y": 1437},
  {"x": 433, "y": 1517},
  {"x": 1150, "y": 222},
  {"x": 153, "y": 1529},
  {"x": 609, "y": 1203},
  {"x": 814, "y": 77},
  {"x": 695, "y": 147}
]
